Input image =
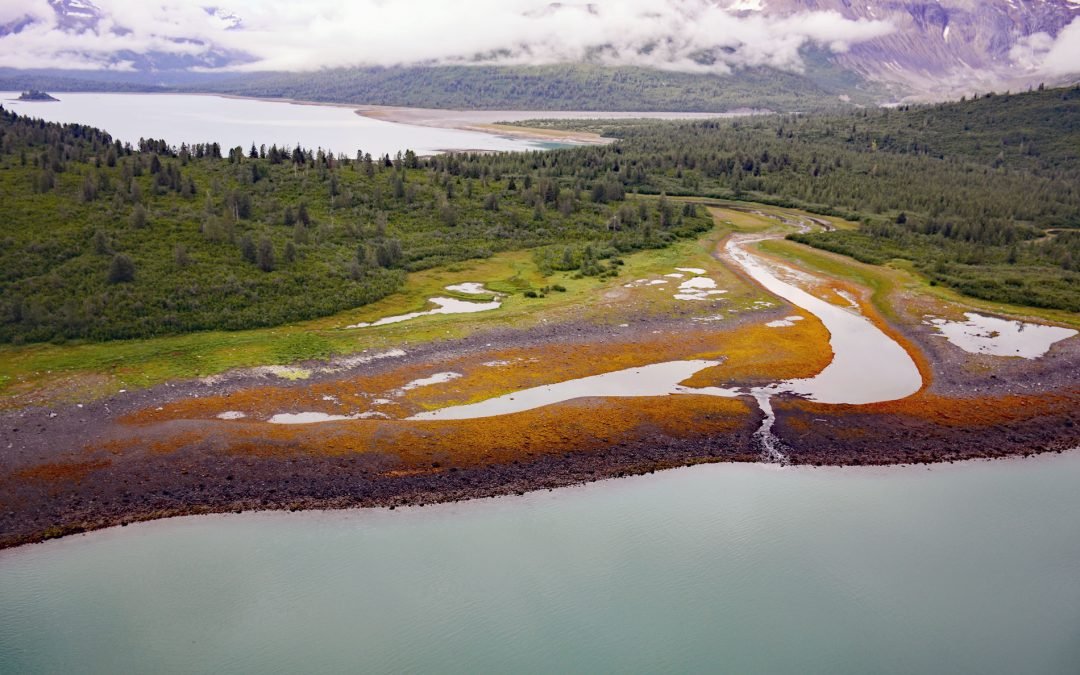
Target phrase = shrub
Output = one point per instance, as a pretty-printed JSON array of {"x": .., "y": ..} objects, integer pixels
[{"x": 122, "y": 269}]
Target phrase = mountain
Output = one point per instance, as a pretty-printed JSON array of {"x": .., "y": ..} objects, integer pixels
[
  {"x": 682, "y": 56},
  {"x": 81, "y": 18},
  {"x": 942, "y": 46},
  {"x": 566, "y": 87},
  {"x": 72, "y": 16}
]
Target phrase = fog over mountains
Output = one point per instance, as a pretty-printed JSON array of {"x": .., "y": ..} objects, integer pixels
[{"x": 933, "y": 48}]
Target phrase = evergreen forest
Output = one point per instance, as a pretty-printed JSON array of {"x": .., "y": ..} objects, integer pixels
[{"x": 101, "y": 240}]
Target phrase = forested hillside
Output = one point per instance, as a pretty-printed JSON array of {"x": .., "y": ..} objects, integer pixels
[
  {"x": 982, "y": 195},
  {"x": 563, "y": 87},
  {"x": 104, "y": 241}
]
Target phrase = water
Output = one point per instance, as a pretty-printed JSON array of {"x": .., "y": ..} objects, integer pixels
[
  {"x": 442, "y": 306},
  {"x": 868, "y": 366},
  {"x": 469, "y": 288},
  {"x": 970, "y": 568},
  {"x": 189, "y": 118},
  {"x": 306, "y": 418},
  {"x": 1000, "y": 337},
  {"x": 859, "y": 347},
  {"x": 655, "y": 379}
]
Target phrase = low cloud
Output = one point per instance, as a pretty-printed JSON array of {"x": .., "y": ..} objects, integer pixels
[
  {"x": 691, "y": 35},
  {"x": 1042, "y": 54}
]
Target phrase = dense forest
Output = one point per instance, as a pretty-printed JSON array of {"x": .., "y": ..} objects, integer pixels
[
  {"x": 820, "y": 86},
  {"x": 563, "y": 87},
  {"x": 982, "y": 195},
  {"x": 104, "y": 241},
  {"x": 107, "y": 241}
]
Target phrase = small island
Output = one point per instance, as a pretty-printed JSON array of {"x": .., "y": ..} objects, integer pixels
[{"x": 35, "y": 95}]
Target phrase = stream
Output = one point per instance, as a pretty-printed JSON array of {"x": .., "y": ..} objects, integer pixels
[{"x": 868, "y": 366}]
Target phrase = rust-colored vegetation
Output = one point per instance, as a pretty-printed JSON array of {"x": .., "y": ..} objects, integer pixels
[
  {"x": 748, "y": 353},
  {"x": 949, "y": 411},
  {"x": 54, "y": 472},
  {"x": 584, "y": 425}
]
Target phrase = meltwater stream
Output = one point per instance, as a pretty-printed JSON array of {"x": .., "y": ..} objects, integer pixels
[{"x": 867, "y": 366}]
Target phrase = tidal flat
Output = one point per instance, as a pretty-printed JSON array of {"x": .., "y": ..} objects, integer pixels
[{"x": 372, "y": 436}]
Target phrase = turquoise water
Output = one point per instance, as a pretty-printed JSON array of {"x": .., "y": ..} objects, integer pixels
[{"x": 968, "y": 568}]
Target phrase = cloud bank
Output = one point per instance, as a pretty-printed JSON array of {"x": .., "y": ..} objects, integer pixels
[
  {"x": 1044, "y": 55},
  {"x": 686, "y": 35}
]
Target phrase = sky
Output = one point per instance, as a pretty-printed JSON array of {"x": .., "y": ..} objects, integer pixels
[
  {"x": 684, "y": 35},
  {"x": 290, "y": 35}
]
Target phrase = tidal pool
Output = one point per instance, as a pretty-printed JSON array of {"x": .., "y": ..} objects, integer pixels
[
  {"x": 442, "y": 306},
  {"x": 469, "y": 288},
  {"x": 657, "y": 379},
  {"x": 1001, "y": 337},
  {"x": 437, "y": 378},
  {"x": 967, "y": 568},
  {"x": 308, "y": 418},
  {"x": 786, "y": 322}
]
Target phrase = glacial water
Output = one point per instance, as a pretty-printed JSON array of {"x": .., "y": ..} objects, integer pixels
[
  {"x": 191, "y": 118},
  {"x": 966, "y": 568}
]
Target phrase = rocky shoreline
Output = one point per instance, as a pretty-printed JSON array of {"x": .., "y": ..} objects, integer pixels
[
  {"x": 299, "y": 483},
  {"x": 53, "y": 487},
  {"x": 79, "y": 468}
]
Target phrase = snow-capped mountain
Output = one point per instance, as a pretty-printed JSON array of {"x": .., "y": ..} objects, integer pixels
[
  {"x": 76, "y": 14},
  {"x": 921, "y": 47},
  {"x": 81, "y": 18},
  {"x": 941, "y": 45}
]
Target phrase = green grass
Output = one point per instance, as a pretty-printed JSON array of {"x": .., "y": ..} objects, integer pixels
[
  {"x": 220, "y": 244},
  {"x": 129, "y": 364},
  {"x": 884, "y": 281}
]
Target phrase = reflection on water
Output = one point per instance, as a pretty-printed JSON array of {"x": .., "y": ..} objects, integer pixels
[
  {"x": 657, "y": 379},
  {"x": 868, "y": 366}
]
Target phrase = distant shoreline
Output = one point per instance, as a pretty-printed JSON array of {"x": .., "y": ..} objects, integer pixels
[{"x": 494, "y": 122}]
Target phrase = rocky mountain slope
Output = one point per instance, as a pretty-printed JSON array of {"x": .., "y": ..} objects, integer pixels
[{"x": 943, "y": 45}]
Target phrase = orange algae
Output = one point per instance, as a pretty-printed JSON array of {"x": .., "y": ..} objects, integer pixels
[
  {"x": 582, "y": 425},
  {"x": 747, "y": 351},
  {"x": 757, "y": 353},
  {"x": 951, "y": 411},
  {"x": 54, "y": 472}
]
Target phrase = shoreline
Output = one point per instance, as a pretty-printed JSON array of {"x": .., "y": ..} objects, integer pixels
[
  {"x": 495, "y": 481},
  {"x": 215, "y": 475},
  {"x": 167, "y": 451},
  {"x": 485, "y": 121},
  {"x": 344, "y": 510}
]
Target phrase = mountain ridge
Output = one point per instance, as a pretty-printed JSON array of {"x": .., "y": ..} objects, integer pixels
[{"x": 937, "y": 49}]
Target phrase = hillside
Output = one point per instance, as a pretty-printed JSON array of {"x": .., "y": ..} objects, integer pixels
[
  {"x": 564, "y": 87},
  {"x": 102, "y": 241},
  {"x": 978, "y": 195}
]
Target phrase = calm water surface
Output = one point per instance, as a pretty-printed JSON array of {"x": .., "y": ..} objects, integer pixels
[
  {"x": 970, "y": 568},
  {"x": 189, "y": 118}
]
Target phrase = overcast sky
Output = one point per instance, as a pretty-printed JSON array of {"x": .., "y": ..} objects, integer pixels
[{"x": 310, "y": 34}]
